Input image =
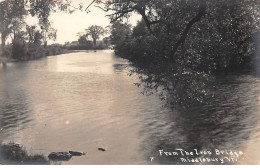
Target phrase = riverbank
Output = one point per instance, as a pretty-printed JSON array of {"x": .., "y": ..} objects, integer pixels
[
  {"x": 7, "y": 59},
  {"x": 25, "y": 52},
  {"x": 13, "y": 154}
]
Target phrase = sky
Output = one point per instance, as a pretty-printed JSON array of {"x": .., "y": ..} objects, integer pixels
[{"x": 68, "y": 25}]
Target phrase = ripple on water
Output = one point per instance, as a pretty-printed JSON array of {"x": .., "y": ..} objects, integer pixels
[{"x": 83, "y": 101}]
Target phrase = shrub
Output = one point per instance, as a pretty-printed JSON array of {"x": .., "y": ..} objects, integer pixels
[
  {"x": 7, "y": 51},
  {"x": 19, "y": 50}
]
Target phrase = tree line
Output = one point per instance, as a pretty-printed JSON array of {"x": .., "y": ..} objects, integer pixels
[
  {"x": 88, "y": 40},
  {"x": 29, "y": 42}
]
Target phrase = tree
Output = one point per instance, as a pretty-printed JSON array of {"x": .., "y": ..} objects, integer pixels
[
  {"x": 84, "y": 43},
  {"x": 106, "y": 41},
  {"x": 119, "y": 33},
  {"x": 48, "y": 33},
  {"x": 16, "y": 32},
  {"x": 121, "y": 9},
  {"x": 34, "y": 36},
  {"x": 150, "y": 11},
  {"x": 95, "y": 32},
  {"x": 11, "y": 12},
  {"x": 30, "y": 33},
  {"x": 37, "y": 38},
  {"x": 179, "y": 45},
  {"x": 42, "y": 9}
]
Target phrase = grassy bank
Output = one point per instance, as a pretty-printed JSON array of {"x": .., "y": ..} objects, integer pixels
[{"x": 15, "y": 154}]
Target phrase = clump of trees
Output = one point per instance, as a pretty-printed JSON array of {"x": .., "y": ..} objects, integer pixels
[
  {"x": 11, "y": 18},
  {"x": 94, "y": 32},
  {"x": 179, "y": 46},
  {"x": 84, "y": 44},
  {"x": 28, "y": 42}
]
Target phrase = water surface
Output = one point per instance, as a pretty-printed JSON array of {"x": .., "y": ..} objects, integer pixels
[{"x": 85, "y": 100}]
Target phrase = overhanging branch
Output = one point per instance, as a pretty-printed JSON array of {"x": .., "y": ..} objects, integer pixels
[
  {"x": 89, "y": 5},
  {"x": 201, "y": 13},
  {"x": 139, "y": 7}
]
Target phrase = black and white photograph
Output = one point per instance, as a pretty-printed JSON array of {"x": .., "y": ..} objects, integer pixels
[{"x": 129, "y": 82}]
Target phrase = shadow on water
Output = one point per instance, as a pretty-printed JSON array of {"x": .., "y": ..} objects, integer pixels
[
  {"x": 94, "y": 106},
  {"x": 14, "y": 108},
  {"x": 225, "y": 122}
]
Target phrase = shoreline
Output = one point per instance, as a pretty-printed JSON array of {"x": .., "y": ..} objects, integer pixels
[
  {"x": 16, "y": 154},
  {"x": 5, "y": 60}
]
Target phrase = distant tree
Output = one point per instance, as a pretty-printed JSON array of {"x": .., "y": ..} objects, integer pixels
[
  {"x": 82, "y": 41},
  {"x": 43, "y": 9},
  {"x": 66, "y": 43},
  {"x": 95, "y": 32},
  {"x": 106, "y": 41},
  {"x": 48, "y": 33},
  {"x": 79, "y": 34}
]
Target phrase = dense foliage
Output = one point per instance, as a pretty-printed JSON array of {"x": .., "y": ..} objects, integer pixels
[{"x": 179, "y": 45}]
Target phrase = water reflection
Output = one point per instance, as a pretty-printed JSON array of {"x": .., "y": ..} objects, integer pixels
[
  {"x": 225, "y": 122},
  {"x": 87, "y": 62},
  {"x": 75, "y": 107},
  {"x": 84, "y": 101}
]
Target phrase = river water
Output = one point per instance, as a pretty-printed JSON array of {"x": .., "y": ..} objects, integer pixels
[{"x": 86, "y": 100}]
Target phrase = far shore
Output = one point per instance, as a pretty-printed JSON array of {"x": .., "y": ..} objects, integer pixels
[
  {"x": 7, "y": 60},
  {"x": 4, "y": 60}
]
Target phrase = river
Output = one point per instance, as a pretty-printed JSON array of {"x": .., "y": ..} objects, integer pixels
[{"x": 86, "y": 100}]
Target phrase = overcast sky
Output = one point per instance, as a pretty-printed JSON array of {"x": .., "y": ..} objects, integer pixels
[{"x": 68, "y": 25}]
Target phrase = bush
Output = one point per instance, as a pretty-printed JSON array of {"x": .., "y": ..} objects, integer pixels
[
  {"x": 99, "y": 47},
  {"x": 7, "y": 51},
  {"x": 73, "y": 48},
  {"x": 19, "y": 50},
  {"x": 53, "y": 50}
]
